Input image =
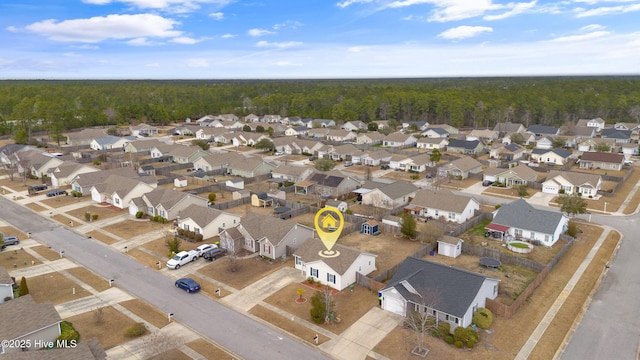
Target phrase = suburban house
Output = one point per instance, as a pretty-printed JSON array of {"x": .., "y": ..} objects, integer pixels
[
  {"x": 347, "y": 152},
  {"x": 337, "y": 272},
  {"x": 332, "y": 184},
  {"x": 450, "y": 246},
  {"x": 164, "y": 202},
  {"x": 143, "y": 130},
  {"x": 596, "y": 123},
  {"x": 250, "y": 167},
  {"x": 509, "y": 127},
  {"x": 119, "y": 190},
  {"x": 183, "y": 154},
  {"x": 435, "y": 133},
  {"x": 485, "y": 135},
  {"x": 375, "y": 158},
  {"x": 572, "y": 183},
  {"x": 252, "y": 118},
  {"x": 633, "y": 127},
  {"x": 390, "y": 196},
  {"x": 370, "y": 138},
  {"x": 248, "y": 138},
  {"x": 35, "y": 162},
  {"x": 408, "y": 126},
  {"x": 443, "y": 204},
  {"x": 382, "y": 124},
  {"x": 186, "y": 130},
  {"x": 24, "y": 319},
  {"x": 354, "y": 125},
  {"x": 142, "y": 145},
  {"x": 84, "y": 137},
  {"x": 445, "y": 292},
  {"x": 205, "y": 220},
  {"x": 83, "y": 183},
  {"x": 629, "y": 150},
  {"x": 545, "y": 142},
  {"x": 291, "y": 173},
  {"x": 473, "y": 147},
  {"x": 520, "y": 221},
  {"x": 399, "y": 162},
  {"x": 550, "y": 157},
  {"x": 621, "y": 136},
  {"x": 508, "y": 152},
  {"x": 217, "y": 161},
  {"x": 6, "y": 285},
  {"x": 420, "y": 163},
  {"x": 543, "y": 130},
  {"x": 432, "y": 143},
  {"x": 600, "y": 160},
  {"x": 318, "y": 133},
  {"x": 161, "y": 151},
  {"x": 210, "y": 133},
  {"x": 578, "y": 132},
  {"x": 399, "y": 139},
  {"x": 517, "y": 175},
  {"x": 601, "y": 145},
  {"x": 338, "y": 135},
  {"x": 460, "y": 168},
  {"x": 62, "y": 174},
  {"x": 448, "y": 128},
  {"x": 321, "y": 123},
  {"x": 527, "y": 138},
  {"x": 110, "y": 142},
  {"x": 296, "y": 131}
]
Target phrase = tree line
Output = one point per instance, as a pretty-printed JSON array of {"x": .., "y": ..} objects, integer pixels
[{"x": 56, "y": 106}]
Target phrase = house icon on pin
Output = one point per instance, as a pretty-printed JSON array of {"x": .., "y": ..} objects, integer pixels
[{"x": 329, "y": 222}]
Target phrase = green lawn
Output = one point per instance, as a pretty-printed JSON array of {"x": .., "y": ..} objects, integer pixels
[{"x": 479, "y": 229}]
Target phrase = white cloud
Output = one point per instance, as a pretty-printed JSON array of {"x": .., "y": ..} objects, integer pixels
[
  {"x": 292, "y": 24},
  {"x": 279, "y": 45},
  {"x": 593, "y": 27},
  {"x": 463, "y": 32},
  {"x": 612, "y": 10},
  {"x": 228, "y": 36},
  {"x": 141, "y": 41},
  {"x": 197, "y": 63},
  {"x": 184, "y": 40},
  {"x": 177, "y": 6},
  {"x": 217, "y": 15},
  {"x": 581, "y": 37},
  {"x": 345, "y": 3},
  {"x": 259, "y": 32},
  {"x": 287, "y": 63},
  {"x": 517, "y": 9},
  {"x": 12, "y": 29},
  {"x": 101, "y": 28}
]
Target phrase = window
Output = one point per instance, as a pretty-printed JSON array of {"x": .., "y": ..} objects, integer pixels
[
  {"x": 452, "y": 216},
  {"x": 149, "y": 210},
  {"x": 437, "y": 212},
  {"x": 547, "y": 238},
  {"x": 533, "y": 235},
  {"x": 234, "y": 221},
  {"x": 196, "y": 230},
  {"x": 314, "y": 272},
  {"x": 331, "y": 278},
  {"x": 298, "y": 261},
  {"x": 186, "y": 227},
  {"x": 224, "y": 225},
  {"x": 495, "y": 290},
  {"x": 248, "y": 243},
  {"x": 117, "y": 201},
  {"x": 518, "y": 232}
]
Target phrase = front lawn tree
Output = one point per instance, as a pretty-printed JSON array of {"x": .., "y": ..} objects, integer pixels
[
  {"x": 265, "y": 144},
  {"x": 408, "y": 227},
  {"x": 325, "y": 164},
  {"x": 322, "y": 306},
  {"x": 422, "y": 320},
  {"x": 572, "y": 204},
  {"x": 435, "y": 155}
]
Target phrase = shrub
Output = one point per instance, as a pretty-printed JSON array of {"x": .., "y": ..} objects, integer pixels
[
  {"x": 460, "y": 334},
  {"x": 449, "y": 339},
  {"x": 139, "y": 215},
  {"x": 458, "y": 344},
  {"x": 24, "y": 289},
  {"x": 174, "y": 246},
  {"x": 572, "y": 229},
  {"x": 67, "y": 332},
  {"x": 348, "y": 212},
  {"x": 435, "y": 333},
  {"x": 76, "y": 193},
  {"x": 87, "y": 216},
  {"x": 135, "y": 330},
  {"x": 498, "y": 206},
  {"x": 198, "y": 237},
  {"x": 94, "y": 217},
  {"x": 444, "y": 328},
  {"x": 471, "y": 344},
  {"x": 473, "y": 334},
  {"x": 414, "y": 177},
  {"x": 310, "y": 280},
  {"x": 318, "y": 308},
  {"x": 180, "y": 231},
  {"x": 483, "y": 318}
]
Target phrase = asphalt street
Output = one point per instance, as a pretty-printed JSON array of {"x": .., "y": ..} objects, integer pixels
[{"x": 242, "y": 335}]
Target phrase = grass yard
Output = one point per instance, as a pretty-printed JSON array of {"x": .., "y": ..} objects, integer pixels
[
  {"x": 100, "y": 236},
  {"x": 248, "y": 271},
  {"x": 103, "y": 212},
  {"x": 64, "y": 220},
  {"x": 97, "y": 282},
  {"x": 349, "y": 305},
  {"x": 46, "y": 252},
  {"x": 208, "y": 350},
  {"x": 12, "y": 257},
  {"x": 147, "y": 259},
  {"x": 10, "y": 230},
  {"x": 508, "y": 192},
  {"x": 60, "y": 201},
  {"x": 159, "y": 246},
  {"x": 633, "y": 203},
  {"x": 243, "y": 210},
  {"x": 36, "y": 207},
  {"x": 292, "y": 327},
  {"x": 209, "y": 289},
  {"x": 173, "y": 354},
  {"x": 17, "y": 185},
  {"x": 110, "y": 332},
  {"x": 131, "y": 228},
  {"x": 54, "y": 287},
  {"x": 150, "y": 314}
]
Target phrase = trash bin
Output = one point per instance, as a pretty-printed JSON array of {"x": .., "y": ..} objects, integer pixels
[{"x": 432, "y": 253}]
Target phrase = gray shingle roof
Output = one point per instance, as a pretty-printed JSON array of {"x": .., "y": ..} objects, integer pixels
[
  {"x": 22, "y": 315},
  {"x": 202, "y": 215},
  {"x": 5, "y": 278},
  {"x": 463, "y": 144},
  {"x": 455, "y": 289},
  {"x": 519, "y": 214},
  {"x": 168, "y": 198},
  {"x": 542, "y": 129},
  {"x": 398, "y": 188},
  {"x": 265, "y": 226},
  {"x": 466, "y": 163},
  {"x": 308, "y": 252},
  {"x": 442, "y": 199},
  {"x": 98, "y": 177}
]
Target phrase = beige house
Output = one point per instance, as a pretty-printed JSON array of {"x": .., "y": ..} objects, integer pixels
[
  {"x": 205, "y": 220},
  {"x": 460, "y": 168},
  {"x": 443, "y": 204},
  {"x": 390, "y": 196},
  {"x": 572, "y": 183},
  {"x": 24, "y": 319},
  {"x": 62, "y": 174},
  {"x": 432, "y": 143},
  {"x": 119, "y": 190},
  {"x": 164, "y": 202},
  {"x": 370, "y": 138},
  {"x": 517, "y": 175},
  {"x": 598, "y": 160}
]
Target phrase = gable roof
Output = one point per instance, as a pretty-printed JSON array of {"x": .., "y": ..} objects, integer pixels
[
  {"x": 309, "y": 250},
  {"x": 454, "y": 288},
  {"x": 520, "y": 214},
  {"x": 602, "y": 157},
  {"x": 23, "y": 315},
  {"x": 397, "y": 137},
  {"x": 398, "y": 189},
  {"x": 292, "y": 170},
  {"x": 543, "y": 129},
  {"x": 5, "y": 278},
  {"x": 466, "y": 163},
  {"x": 575, "y": 178},
  {"x": 373, "y": 135},
  {"x": 464, "y": 144},
  {"x": 442, "y": 199},
  {"x": 439, "y": 131},
  {"x": 507, "y": 127},
  {"x": 87, "y": 134},
  {"x": 168, "y": 198},
  {"x": 117, "y": 184},
  {"x": 558, "y": 151},
  {"x": 67, "y": 168},
  {"x": 202, "y": 215},
  {"x": 220, "y": 159},
  {"x": 264, "y": 226},
  {"x": 327, "y": 179},
  {"x": 614, "y": 133},
  {"x": 428, "y": 140},
  {"x": 98, "y": 177},
  {"x": 249, "y": 163}
]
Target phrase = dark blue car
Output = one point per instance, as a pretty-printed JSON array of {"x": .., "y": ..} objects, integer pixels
[{"x": 188, "y": 285}]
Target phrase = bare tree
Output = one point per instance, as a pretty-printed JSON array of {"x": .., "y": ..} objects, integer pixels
[
  {"x": 422, "y": 319},
  {"x": 160, "y": 343},
  {"x": 233, "y": 247}
]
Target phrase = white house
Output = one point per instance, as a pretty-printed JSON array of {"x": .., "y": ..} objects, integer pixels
[
  {"x": 399, "y": 139},
  {"x": 6, "y": 285},
  {"x": 571, "y": 183},
  {"x": 206, "y": 221},
  {"x": 22, "y": 319},
  {"x": 337, "y": 272},
  {"x": 443, "y": 204},
  {"x": 390, "y": 196},
  {"x": 432, "y": 143},
  {"x": 459, "y": 292}
]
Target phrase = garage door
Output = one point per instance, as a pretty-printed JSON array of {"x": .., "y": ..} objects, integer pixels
[
  {"x": 394, "y": 305},
  {"x": 550, "y": 189}
]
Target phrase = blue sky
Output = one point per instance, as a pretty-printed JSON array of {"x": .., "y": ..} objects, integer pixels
[{"x": 219, "y": 39}]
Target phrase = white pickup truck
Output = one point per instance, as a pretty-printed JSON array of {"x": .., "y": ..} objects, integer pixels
[{"x": 182, "y": 258}]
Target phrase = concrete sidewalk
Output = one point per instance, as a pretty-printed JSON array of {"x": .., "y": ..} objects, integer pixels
[
  {"x": 46, "y": 268},
  {"x": 528, "y": 347},
  {"x": 108, "y": 297}
]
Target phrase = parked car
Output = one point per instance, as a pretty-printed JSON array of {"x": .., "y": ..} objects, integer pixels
[
  {"x": 10, "y": 240},
  {"x": 348, "y": 163},
  {"x": 493, "y": 234},
  {"x": 204, "y": 248},
  {"x": 384, "y": 167},
  {"x": 278, "y": 153},
  {"x": 487, "y": 183},
  {"x": 56, "y": 192},
  {"x": 188, "y": 284},
  {"x": 312, "y": 158},
  {"x": 215, "y": 253},
  {"x": 182, "y": 258},
  {"x": 35, "y": 188}
]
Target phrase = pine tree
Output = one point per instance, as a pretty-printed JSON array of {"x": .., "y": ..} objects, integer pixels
[{"x": 24, "y": 289}]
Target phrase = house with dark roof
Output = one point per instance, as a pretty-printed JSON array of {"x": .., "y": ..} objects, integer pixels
[
  {"x": 337, "y": 272},
  {"x": 543, "y": 130},
  {"x": 601, "y": 160},
  {"x": 621, "y": 136},
  {"x": 473, "y": 147},
  {"x": 520, "y": 221},
  {"x": 506, "y": 152},
  {"x": 572, "y": 183},
  {"x": 332, "y": 184},
  {"x": 517, "y": 175},
  {"x": 509, "y": 127},
  {"x": 24, "y": 319},
  {"x": 460, "y": 168},
  {"x": 390, "y": 196},
  {"x": 207, "y": 221},
  {"x": 119, "y": 190},
  {"x": 555, "y": 156},
  {"x": 443, "y": 204},
  {"x": 435, "y": 133},
  {"x": 633, "y": 127},
  {"x": 6, "y": 285},
  {"x": 445, "y": 292},
  {"x": 164, "y": 202}
]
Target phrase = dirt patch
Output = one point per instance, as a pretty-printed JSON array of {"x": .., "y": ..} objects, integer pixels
[
  {"x": 128, "y": 229},
  {"x": 173, "y": 354},
  {"x": 110, "y": 332},
  {"x": 208, "y": 350},
  {"x": 36, "y": 207},
  {"x": 10, "y": 230},
  {"x": 159, "y": 246},
  {"x": 209, "y": 289},
  {"x": 14, "y": 258},
  {"x": 54, "y": 287},
  {"x": 64, "y": 220},
  {"x": 249, "y": 270},
  {"x": 60, "y": 201},
  {"x": 292, "y": 327},
  {"x": 350, "y": 305},
  {"x": 509, "y": 192},
  {"x": 150, "y": 314},
  {"x": 86, "y": 276},
  {"x": 46, "y": 252},
  {"x": 103, "y": 212},
  {"x": 147, "y": 259},
  {"x": 102, "y": 237},
  {"x": 243, "y": 210}
]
